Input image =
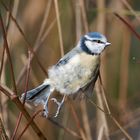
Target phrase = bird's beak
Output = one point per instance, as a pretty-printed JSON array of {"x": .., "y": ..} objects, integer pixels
[{"x": 107, "y": 44}]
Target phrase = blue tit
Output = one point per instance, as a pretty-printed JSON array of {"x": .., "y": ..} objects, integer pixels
[{"x": 76, "y": 71}]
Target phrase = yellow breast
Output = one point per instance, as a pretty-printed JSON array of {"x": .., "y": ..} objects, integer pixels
[
  {"x": 89, "y": 61},
  {"x": 75, "y": 74}
]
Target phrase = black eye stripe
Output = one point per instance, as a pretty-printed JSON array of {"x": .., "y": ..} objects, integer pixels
[{"x": 98, "y": 41}]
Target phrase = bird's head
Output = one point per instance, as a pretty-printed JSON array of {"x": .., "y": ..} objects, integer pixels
[{"x": 93, "y": 43}]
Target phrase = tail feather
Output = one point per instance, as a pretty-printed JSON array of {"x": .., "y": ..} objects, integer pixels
[
  {"x": 31, "y": 94},
  {"x": 38, "y": 95}
]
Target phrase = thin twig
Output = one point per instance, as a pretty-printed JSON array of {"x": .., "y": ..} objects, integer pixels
[
  {"x": 42, "y": 28},
  {"x": 6, "y": 91},
  {"x": 84, "y": 16},
  {"x": 120, "y": 127},
  {"x": 111, "y": 116},
  {"x": 20, "y": 106},
  {"x": 103, "y": 92},
  {"x": 109, "y": 112},
  {"x": 29, "y": 123},
  {"x": 25, "y": 38},
  {"x": 8, "y": 53},
  {"x": 8, "y": 17},
  {"x": 131, "y": 9},
  {"x": 2, "y": 62},
  {"x": 97, "y": 106},
  {"x": 78, "y": 21},
  {"x": 128, "y": 25},
  {"x": 17, "y": 126},
  {"x": 73, "y": 133},
  {"x": 27, "y": 77},
  {"x": 3, "y": 53},
  {"x": 36, "y": 47},
  {"x": 77, "y": 122},
  {"x": 26, "y": 88},
  {"x": 59, "y": 27}
]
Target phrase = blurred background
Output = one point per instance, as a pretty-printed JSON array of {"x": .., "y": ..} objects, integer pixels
[{"x": 51, "y": 28}]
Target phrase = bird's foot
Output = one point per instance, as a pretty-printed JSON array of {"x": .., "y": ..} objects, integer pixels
[
  {"x": 59, "y": 104},
  {"x": 46, "y": 111}
]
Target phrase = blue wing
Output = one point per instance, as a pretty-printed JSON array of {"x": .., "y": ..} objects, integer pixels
[{"x": 64, "y": 60}]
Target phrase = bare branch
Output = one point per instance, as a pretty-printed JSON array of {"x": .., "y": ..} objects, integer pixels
[{"x": 8, "y": 53}]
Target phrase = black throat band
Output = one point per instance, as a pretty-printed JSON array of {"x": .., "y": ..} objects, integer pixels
[{"x": 85, "y": 48}]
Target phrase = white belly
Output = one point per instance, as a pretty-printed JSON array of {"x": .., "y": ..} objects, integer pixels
[{"x": 69, "y": 78}]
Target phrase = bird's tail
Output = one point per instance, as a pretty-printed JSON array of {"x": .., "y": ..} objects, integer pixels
[{"x": 40, "y": 94}]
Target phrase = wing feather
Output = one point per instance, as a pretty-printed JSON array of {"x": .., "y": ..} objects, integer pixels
[
  {"x": 87, "y": 90},
  {"x": 64, "y": 60}
]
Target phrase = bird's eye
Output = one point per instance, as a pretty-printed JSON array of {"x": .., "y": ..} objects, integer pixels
[{"x": 98, "y": 41}]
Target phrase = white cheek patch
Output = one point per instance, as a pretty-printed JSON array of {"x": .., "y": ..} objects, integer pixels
[{"x": 94, "y": 47}]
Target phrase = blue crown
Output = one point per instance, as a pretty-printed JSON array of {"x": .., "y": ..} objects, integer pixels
[{"x": 95, "y": 35}]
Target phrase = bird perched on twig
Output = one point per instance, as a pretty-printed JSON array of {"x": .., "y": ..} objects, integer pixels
[{"x": 76, "y": 71}]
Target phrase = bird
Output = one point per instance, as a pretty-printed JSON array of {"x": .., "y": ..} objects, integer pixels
[{"x": 76, "y": 72}]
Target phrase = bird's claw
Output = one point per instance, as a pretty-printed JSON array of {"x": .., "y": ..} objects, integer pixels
[{"x": 45, "y": 113}]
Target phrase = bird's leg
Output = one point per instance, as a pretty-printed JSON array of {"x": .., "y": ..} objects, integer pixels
[
  {"x": 45, "y": 111},
  {"x": 45, "y": 103},
  {"x": 59, "y": 104}
]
